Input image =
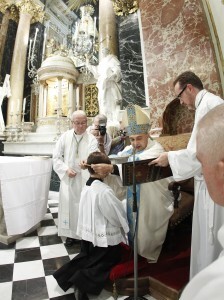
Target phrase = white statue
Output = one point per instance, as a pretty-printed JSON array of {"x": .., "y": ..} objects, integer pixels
[
  {"x": 108, "y": 75},
  {"x": 5, "y": 90}
]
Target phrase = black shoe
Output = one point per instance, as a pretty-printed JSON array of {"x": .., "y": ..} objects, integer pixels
[
  {"x": 69, "y": 242},
  {"x": 80, "y": 295}
]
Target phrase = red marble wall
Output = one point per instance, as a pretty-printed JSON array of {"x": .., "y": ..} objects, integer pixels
[{"x": 176, "y": 39}]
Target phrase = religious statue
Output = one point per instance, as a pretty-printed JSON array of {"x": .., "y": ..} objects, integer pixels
[{"x": 108, "y": 75}]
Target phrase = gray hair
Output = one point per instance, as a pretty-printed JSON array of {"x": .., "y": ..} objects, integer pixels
[
  {"x": 78, "y": 113},
  {"x": 210, "y": 135},
  {"x": 102, "y": 118}
]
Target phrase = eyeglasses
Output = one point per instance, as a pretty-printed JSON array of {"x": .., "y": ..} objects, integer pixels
[
  {"x": 79, "y": 123},
  {"x": 183, "y": 89}
]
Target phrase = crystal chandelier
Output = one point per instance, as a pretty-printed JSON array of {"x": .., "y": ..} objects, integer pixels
[
  {"x": 125, "y": 7},
  {"x": 85, "y": 40}
]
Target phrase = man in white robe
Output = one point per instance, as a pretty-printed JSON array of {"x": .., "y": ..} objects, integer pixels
[
  {"x": 155, "y": 201},
  {"x": 208, "y": 284},
  {"x": 72, "y": 148},
  {"x": 207, "y": 216}
]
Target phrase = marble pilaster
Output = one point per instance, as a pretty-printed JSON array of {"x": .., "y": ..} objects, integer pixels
[
  {"x": 3, "y": 34},
  {"x": 133, "y": 88}
]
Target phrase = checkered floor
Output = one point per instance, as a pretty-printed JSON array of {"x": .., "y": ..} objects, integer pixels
[{"x": 26, "y": 266}]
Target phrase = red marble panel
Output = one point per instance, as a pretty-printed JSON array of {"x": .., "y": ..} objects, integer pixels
[{"x": 176, "y": 39}]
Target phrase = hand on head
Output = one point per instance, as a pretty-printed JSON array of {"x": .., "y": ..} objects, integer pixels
[{"x": 102, "y": 169}]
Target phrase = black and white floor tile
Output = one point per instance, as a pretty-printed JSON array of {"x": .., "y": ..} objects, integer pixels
[{"x": 26, "y": 266}]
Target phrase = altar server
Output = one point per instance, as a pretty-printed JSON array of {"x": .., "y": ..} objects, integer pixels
[{"x": 102, "y": 225}]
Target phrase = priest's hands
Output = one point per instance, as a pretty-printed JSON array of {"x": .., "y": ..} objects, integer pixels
[
  {"x": 83, "y": 164},
  {"x": 161, "y": 161},
  {"x": 102, "y": 169},
  {"x": 71, "y": 173}
]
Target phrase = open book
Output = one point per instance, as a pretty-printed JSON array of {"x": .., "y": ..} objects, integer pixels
[{"x": 143, "y": 172}]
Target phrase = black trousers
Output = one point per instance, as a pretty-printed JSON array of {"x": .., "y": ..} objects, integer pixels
[{"x": 90, "y": 269}]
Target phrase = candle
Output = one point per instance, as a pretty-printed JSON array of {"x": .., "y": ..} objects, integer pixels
[
  {"x": 30, "y": 45},
  {"x": 24, "y": 104}
]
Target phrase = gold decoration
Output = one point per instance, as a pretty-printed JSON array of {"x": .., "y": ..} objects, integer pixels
[
  {"x": 91, "y": 100},
  {"x": 125, "y": 7},
  {"x": 30, "y": 7},
  {"x": 75, "y": 4},
  {"x": 11, "y": 7}
]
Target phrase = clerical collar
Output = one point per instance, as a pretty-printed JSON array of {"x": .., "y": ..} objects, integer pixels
[
  {"x": 78, "y": 136},
  {"x": 91, "y": 179},
  {"x": 199, "y": 98}
]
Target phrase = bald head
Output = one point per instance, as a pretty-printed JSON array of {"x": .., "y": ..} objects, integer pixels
[
  {"x": 210, "y": 135},
  {"x": 80, "y": 113},
  {"x": 210, "y": 151}
]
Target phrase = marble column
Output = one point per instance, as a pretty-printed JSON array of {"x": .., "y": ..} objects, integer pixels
[
  {"x": 107, "y": 28},
  {"x": 18, "y": 66},
  {"x": 28, "y": 12},
  {"x": 59, "y": 108},
  {"x": 41, "y": 99},
  {"x": 45, "y": 95},
  {"x": 70, "y": 96}
]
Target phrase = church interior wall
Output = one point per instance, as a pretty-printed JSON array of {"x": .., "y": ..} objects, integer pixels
[{"x": 176, "y": 38}]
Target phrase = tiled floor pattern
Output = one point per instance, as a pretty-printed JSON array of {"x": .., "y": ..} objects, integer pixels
[{"x": 26, "y": 266}]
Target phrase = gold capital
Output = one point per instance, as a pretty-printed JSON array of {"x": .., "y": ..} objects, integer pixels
[{"x": 31, "y": 8}]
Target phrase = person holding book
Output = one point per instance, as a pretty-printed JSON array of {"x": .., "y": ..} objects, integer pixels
[
  {"x": 102, "y": 225},
  {"x": 154, "y": 200}
]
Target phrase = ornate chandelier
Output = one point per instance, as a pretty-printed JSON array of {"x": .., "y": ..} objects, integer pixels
[
  {"x": 85, "y": 39},
  {"x": 125, "y": 7}
]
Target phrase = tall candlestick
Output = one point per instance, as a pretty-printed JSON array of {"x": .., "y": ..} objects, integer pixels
[
  {"x": 30, "y": 45},
  {"x": 24, "y": 104}
]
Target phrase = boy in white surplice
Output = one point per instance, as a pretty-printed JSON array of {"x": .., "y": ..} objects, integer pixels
[{"x": 102, "y": 225}]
